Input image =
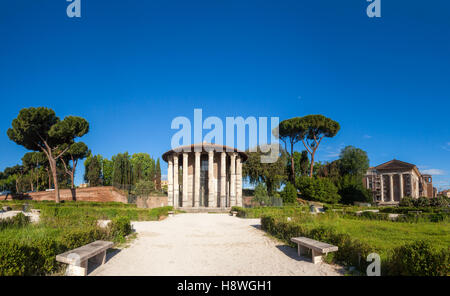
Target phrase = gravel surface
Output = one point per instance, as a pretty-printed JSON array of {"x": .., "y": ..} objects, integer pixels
[{"x": 208, "y": 244}]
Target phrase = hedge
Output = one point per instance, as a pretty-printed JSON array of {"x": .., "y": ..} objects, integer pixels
[{"x": 417, "y": 258}]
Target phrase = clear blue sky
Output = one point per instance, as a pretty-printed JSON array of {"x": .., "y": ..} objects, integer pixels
[{"x": 130, "y": 67}]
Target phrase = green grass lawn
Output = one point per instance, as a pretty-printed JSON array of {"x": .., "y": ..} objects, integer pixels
[{"x": 386, "y": 235}]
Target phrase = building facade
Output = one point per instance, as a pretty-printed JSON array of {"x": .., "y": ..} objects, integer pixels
[
  {"x": 395, "y": 179},
  {"x": 204, "y": 176}
]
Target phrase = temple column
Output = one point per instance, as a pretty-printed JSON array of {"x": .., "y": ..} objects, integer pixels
[
  {"x": 197, "y": 180},
  {"x": 211, "y": 198},
  {"x": 176, "y": 187},
  {"x": 223, "y": 175},
  {"x": 170, "y": 181},
  {"x": 185, "y": 180},
  {"x": 391, "y": 184},
  {"x": 382, "y": 187},
  {"x": 233, "y": 180},
  {"x": 401, "y": 185},
  {"x": 238, "y": 181}
]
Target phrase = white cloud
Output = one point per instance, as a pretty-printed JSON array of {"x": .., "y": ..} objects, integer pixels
[
  {"x": 367, "y": 137},
  {"x": 435, "y": 172},
  {"x": 446, "y": 146}
]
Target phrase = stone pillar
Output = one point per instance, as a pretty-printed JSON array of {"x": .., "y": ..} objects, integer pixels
[
  {"x": 401, "y": 185},
  {"x": 223, "y": 175},
  {"x": 211, "y": 194},
  {"x": 238, "y": 182},
  {"x": 170, "y": 181},
  {"x": 176, "y": 187},
  {"x": 197, "y": 180},
  {"x": 233, "y": 180},
  {"x": 185, "y": 180},
  {"x": 391, "y": 184},
  {"x": 382, "y": 187}
]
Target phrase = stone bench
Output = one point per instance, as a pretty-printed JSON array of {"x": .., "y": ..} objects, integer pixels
[
  {"x": 170, "y": 213},
  {"x": 318, "y": 248},
  {"x": 79, "y": 257},
  {"x": 234, "y": 213}
]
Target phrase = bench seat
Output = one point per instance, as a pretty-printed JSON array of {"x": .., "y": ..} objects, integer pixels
[
  {"x": 318, "y": 248},
  {"x": 78, "y": 258}
]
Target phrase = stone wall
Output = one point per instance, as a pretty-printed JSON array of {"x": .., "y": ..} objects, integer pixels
[
  {"x": 98, "y": 194},
  {"x": 152, "y": 202}
]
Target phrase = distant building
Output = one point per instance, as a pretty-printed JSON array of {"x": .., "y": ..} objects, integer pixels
[
  {"x": 164, "y": 183},
  {"x": 84, "y": 185},
  {"x": 445, "y": 193},
  {"x": 395, "y": 179}
]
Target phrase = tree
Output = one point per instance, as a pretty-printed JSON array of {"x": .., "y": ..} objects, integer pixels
[
  {"x": 318, "y": 189},
  {"x": 75, "y": 152},
  {"x": 122, "y": 172},
  {"x": 158, "y": 175},
  {"x": 39, "y": 129},
  {"x": 261, "y": 194},
  {"x": 351, "y": 189},
  {"x": 353, "y": 161},
  {"x": 289, "y": 194},
  {"x": 301, "y": 162},
  {"x": 290, "y": 132},
  {"x": 30, "y": 161},
  {"x": 93, "y": 170},
  {"x": 143, "y": 188},
  {"x": 107, "y": 171},
  {"x": 271, "y": 174},
  {"x": 312, "y": 129},
  {"x": 143, "y": 167}
]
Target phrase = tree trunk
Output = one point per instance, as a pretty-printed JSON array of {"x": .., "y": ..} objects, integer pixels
[
  {"x": 55, "y": 178},
  {"x": 292, "y": 164},
  {"x": 311, "y": 168}
]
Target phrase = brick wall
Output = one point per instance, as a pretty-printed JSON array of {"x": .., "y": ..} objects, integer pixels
[{"x": 99, "y": 194}]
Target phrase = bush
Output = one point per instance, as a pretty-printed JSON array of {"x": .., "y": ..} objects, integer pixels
[
  {"x": 261, "y": 194},
  {"x": 422, "y": 202},
  {"x": 119, "y": 228},
  {"x": 318, "y": 189},
  {"x": 419, "y": 259},
  {"x": 289, "y": 194},
  {"x": 19, "y": 220},
  {"x": 406, "y": 201},
  {"x": 439, "y": 202},
  {"x": 351, "y": 189}
]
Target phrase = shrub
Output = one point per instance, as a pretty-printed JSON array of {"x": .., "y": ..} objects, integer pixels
[
  {"x": 119, "y": 228},
  {"x": 351, "y": 189},
  {"x": 439, "y": 201},
  {"x": 422, "y": 202},
  {"x": 261, "y": 194},
  {"x": 406, "y": 201},
  {"x": 419, "y": 258},
  {"x": 19, "y": 220},
  {"x": 289, "y": 194},
  {"x": 318, "y": 189}
]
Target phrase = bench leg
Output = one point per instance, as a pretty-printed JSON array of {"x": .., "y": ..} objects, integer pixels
[
  {"x": 301, "y": 250},
  {"x": 316, "y": 257},
  {"x": 100, "y": 258},
  {"x": 77, "y": 270}
]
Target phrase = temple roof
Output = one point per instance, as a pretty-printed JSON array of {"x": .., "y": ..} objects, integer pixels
[
  {"x": 397, "y": 165},
  {"x": 205, "y": 147}
]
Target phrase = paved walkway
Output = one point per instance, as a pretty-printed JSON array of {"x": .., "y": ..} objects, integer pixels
[{"x": 207, "y": 244}]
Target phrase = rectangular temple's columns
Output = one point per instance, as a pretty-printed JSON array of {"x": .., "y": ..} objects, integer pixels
[
  {"x": 391, "y": 184},
  {"x": 233, "y": 180},
  {"x": 176, "y": 187},
  {"x": 185, "y": 180},
  {"x": 382, "y": 187},
  {"x": 197, "y": 180},
  {"x": 238, "y": 182},
  {"x": 170, "y": 181},
  {"x": 223, "y": 175},
  {"x": 212, "y": 201},
  {"x": 401, "y": 185}
]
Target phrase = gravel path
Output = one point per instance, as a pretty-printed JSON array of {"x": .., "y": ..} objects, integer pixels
[{"x": 207, "y": 244}]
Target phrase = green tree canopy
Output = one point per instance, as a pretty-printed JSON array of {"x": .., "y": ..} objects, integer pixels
[
  {"x": 39, "y": 129},
  {"x": 75, "y": 152},
  {"x": 353, "y": 161},
  {"x": 271, "y": 174}
]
